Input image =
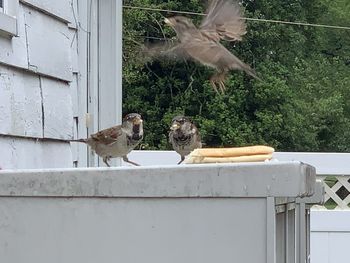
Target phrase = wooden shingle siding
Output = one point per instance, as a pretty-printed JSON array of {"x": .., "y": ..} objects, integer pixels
[
  {"x": 60, "y": 9},
  {"x": 74, "y": 95},
  {"x": 57, "y": 107},
  {"x": 20, "y": 103},
  {"x": 36, "y": 70},
  {"x": 48, "y": 44},
  {"x": 73, "y": 36},
  {"x": 13, "y": 51},
  {"x": 74, "y": 14},
  {"x": 80, "y": 150},
  {"x": 20, "y": 153}
]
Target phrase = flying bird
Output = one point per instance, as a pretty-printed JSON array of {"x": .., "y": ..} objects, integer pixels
[
  {"x": 117, "y": 141},
  {"x": 184, "y": 136},
  {"x": 222, "y": 22}
]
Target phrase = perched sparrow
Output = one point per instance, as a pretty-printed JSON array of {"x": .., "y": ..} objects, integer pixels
[
  {"x": 223, "y": 21},
  {"x": 117, "y": 141},
  {"x": 184, "y": 136}
]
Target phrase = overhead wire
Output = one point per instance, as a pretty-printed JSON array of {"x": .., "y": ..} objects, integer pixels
[{"x": 246, "y": 18}]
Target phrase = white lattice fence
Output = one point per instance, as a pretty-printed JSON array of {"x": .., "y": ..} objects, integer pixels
[
  {"x": 337, "y": 190},
  {"x": 333, "y": 169}
]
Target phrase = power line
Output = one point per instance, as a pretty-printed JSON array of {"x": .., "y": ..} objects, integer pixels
[{"x": 246, "y": 18}]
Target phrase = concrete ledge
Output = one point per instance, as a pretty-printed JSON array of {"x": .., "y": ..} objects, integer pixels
[
  {"x": 317, "y": 198},
  {"x": 270, "y": 179}
]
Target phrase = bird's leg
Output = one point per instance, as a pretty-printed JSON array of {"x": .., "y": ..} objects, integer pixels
[
  {"x": 218, "y": 80},
  {"x": 105, "y": 160},
  {"x": 221, "y": 86},
  {"x": 213, "y": 80},
  {"x": 182, "y": 159},
  {"x": 221, "y": 81},
  {"x": 125, "y": 159}
]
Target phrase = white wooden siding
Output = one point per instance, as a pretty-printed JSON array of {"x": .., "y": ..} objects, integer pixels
[
  {"x": 20, "y": 153},
  {"x": 58, "y": 8},
  {"x": 73, "y": 36},
  {"x": 13, "y": 51},
  {"x": 70, "y": 50},
  {"x": 20, "y": 103},
  {"x": 48, "y": 45},
  {"x": 110, "y": 63},
  {"x": 82, "y": 84},
  {"x": 73, "y": 87},
  {"x": 58, "y": 114},
  {"x": 36, "y": 117}
]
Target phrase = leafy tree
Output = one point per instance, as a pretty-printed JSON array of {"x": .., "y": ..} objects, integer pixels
[{"x": 301, "y": 104}]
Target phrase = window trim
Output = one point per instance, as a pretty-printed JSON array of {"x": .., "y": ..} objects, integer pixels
[{"x": 8, "y": 18}]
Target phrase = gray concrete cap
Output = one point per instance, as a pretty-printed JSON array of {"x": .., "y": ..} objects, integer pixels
[{"x": 275, "y": 179}]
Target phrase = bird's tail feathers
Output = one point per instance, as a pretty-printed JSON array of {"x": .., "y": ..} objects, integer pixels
[{"x": 251, "y": 72}]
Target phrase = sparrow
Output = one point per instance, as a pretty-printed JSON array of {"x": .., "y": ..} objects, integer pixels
[
  {"x": 184, "y": 136},
  {"x": 222, "y": 22},
  {"x": 117, "y": 141}
]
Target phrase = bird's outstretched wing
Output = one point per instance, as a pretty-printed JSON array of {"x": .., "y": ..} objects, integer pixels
[
  {"x": 217, "y": 56},
  {"x": 171, "y": 50},
  {"x": 108, "y": 136},
  {"x": 224, "y": 21}
]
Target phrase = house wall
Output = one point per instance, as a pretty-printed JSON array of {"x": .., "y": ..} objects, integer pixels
[{"x": 40, "y": 93}]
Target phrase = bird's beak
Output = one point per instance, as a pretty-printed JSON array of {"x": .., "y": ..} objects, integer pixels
[
  {"x": 137, "y": 121},
  {"x": 174, "y": 127},
  {"x": 167, "y": 21}
]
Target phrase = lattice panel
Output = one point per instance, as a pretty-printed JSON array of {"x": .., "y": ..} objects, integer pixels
[{"x": 338, "y": 191}]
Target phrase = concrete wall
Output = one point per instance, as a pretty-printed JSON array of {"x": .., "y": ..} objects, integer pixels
[{"x": 195, "y": 213}]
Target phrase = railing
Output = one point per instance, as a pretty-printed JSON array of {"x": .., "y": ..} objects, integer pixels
[{"x": 332, "y": 168}]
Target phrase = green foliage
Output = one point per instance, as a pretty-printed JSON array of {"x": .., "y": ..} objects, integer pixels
[{"x": 301, "y": 104}]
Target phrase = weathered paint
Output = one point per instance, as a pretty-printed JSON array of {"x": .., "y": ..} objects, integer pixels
[
  {"x": 292, "y": 179},
  {"x": 82, "y": 93},
  {"x": 13, "y": 51},
  {"x": 75, "y": 146},
  {"x": 48, "y": 43},
  {"x": 73, "y": 87},
  {"x": 73, "y": 36},
  {"x": 192, "y": 213},
  {"x": 20, "y": 103},
  {"x": 8, "y": 25},
  {"x": 8, "y": 21},
  {"x": 57, "y": 104},
  {"x": 35, "y": 96},
  {"x": 74, "y": 14},
  {"x": 21, "y": 153},
  {"x": 60, "y": 9},
  {"x": 47, "y": 46}
]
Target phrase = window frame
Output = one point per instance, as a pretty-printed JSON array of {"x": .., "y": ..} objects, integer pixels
[{"x": 8, "y": 18}]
